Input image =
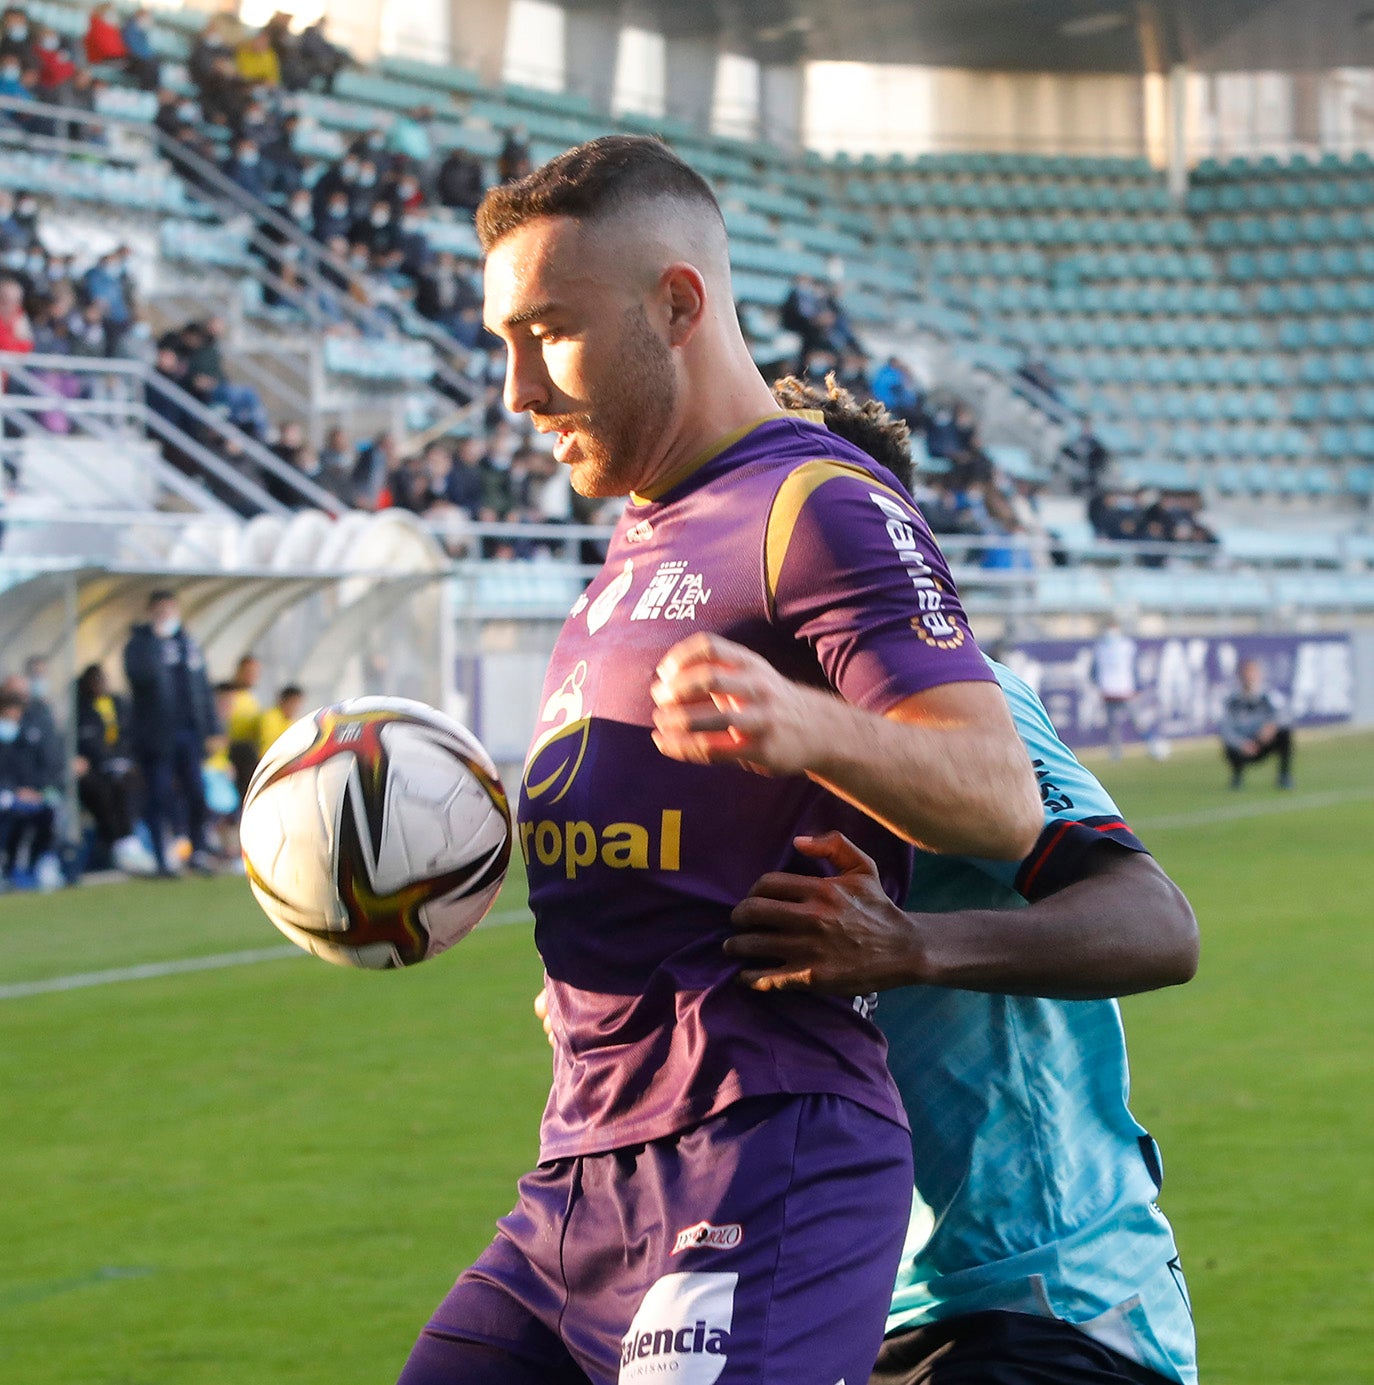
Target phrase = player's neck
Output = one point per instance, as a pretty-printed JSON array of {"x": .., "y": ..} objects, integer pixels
[{"x": 716, "y": 416}]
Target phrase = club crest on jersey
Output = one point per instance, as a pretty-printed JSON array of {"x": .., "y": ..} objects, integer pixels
[
  {"x": 560, "y": 741},
  {"x": 599, "y": 612},
  {"x": 707, "y": 1236},
  {"x": 641, "y": 533},
  {"x": 673, "y": 593}
]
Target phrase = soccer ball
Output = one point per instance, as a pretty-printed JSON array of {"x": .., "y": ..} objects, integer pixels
[{"x": 375, "y": 832}]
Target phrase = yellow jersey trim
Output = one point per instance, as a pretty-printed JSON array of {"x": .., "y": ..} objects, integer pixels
[
  {"x": 678, "y": 476},
  {"x": 800, "y": 485}
]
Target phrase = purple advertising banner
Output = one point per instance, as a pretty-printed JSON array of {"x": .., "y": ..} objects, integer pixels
[{"x": 1181, "y": 684}]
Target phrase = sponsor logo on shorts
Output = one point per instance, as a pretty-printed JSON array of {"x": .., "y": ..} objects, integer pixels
[
  {"x": 706, "y": 1236},
  {"x": 681, "y": 1331}
]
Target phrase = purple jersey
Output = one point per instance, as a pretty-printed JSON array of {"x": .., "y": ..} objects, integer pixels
[{"x": 795, "y": 544}]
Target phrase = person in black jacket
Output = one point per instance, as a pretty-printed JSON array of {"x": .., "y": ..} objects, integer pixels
[
  {"x": 106, "y": 779},
  {"x": 27, "y": 813},
  {"x": 173, "y": 714},
  {"x": 38, "y": 725}
]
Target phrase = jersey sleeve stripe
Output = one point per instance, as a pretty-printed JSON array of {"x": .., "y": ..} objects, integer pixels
[
  {"x": 1056, "y": 860},
  {"x": 789, "y": 502}
]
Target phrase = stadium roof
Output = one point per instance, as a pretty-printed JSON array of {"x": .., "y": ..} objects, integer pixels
[{"x": 1034, "y": 35}]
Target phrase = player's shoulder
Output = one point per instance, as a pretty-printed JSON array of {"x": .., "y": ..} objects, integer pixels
[{"x": 1068, "y": 789}]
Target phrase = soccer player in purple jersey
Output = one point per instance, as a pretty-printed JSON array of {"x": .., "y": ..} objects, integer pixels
[{"x": 717, "y": 1167}]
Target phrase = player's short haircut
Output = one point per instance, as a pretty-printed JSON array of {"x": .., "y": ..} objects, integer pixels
[
  {"x": 158, "y": 597},
  {"x": 10, "y": 700},
  {"x": 591, "y": 182},
  {"x": 290, "y": 690},
  {"x": 868, "y": 426}
]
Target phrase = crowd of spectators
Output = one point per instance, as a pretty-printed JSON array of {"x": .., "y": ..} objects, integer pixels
[
  {"x": 370, "y": 210},
  {"x": 961, "y": 490},
  {"x": 1142, "y": 515}
]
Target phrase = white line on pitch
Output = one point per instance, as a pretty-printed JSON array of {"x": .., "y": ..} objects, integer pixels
[
  {"x": 149, "y": 971},
  {"x": 1261, "y": 808}
]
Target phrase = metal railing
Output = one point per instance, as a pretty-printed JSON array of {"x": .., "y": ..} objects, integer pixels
[{"x": 131, "y": 407}]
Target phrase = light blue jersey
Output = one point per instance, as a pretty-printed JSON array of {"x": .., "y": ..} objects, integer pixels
[{"x": 1035, "y": 1186}]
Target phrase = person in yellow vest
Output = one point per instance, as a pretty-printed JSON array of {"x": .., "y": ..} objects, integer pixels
[
  {"x": 243, "y": 722},
  {"x": 289, "y": 706},
  {"x": 257, "y": 61}
]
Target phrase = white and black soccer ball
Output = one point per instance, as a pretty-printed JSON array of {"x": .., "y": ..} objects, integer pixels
[{"x": 375, "y": 832}]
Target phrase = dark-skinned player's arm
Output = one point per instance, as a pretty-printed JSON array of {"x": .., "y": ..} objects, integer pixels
[
  {"x": 1111, "y": 923},
  {"x": 944, "y": 768}
]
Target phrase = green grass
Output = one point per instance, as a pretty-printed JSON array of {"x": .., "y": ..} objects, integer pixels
[{"x": 272, "y": 1173}]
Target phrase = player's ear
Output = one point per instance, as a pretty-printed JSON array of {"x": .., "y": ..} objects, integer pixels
[{"x": 684, "y": 290}]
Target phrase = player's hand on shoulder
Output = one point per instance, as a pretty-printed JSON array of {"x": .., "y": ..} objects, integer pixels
[
  {"x": 839, "y": 934},
  {"x": 717, "y": 702}
]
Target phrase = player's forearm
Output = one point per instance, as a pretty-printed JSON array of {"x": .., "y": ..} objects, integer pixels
[
  {"x": 960, "y": 788},
  {"x": 1059, "y": 947}
]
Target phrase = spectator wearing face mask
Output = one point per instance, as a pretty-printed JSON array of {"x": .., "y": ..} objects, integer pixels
[
  {"x": 379, "y": 233},
  {"x": 27, "y": 814},
  {"x": 55, "y": 68},
  {"x": 15, "y": 87},
  {"x": 107, "y": 282},
  {"x": 364, "y": 191},
  {"x": 334, "y": 218},
  {"x": 16, "y": 38},
  {"x": 243, "y": 168},
  {"x": 38, "y": 723},
  {"x": 173, "y": 715},
  {"x": 338, "y": 180}
]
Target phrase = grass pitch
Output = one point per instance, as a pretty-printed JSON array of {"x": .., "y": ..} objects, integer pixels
[{"x": 272, "y": 1172}]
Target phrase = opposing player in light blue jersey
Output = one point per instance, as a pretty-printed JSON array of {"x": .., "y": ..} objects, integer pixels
[{"x": 1037, "y": 1252}]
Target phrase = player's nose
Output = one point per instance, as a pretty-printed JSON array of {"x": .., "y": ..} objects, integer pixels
[{"x": 527, "y": 386}]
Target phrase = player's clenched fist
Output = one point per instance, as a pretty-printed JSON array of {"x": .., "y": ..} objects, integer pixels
[
  {"x": 716, "y": 701},
  {"x": 836, "y": 933}
]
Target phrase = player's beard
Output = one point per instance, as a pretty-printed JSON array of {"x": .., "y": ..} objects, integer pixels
[{"x": 619, "y": 436}]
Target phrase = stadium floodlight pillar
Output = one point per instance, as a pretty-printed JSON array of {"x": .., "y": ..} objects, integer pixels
[
  {"x": 781, "y": 96},
  {"x": 1177, "y": 126},
  {"x": 1307, "y": 109},
  {"x": 689, "y": 79},
  {"x": 479, "y": 30},
  {"x": 591, "y": 41}
]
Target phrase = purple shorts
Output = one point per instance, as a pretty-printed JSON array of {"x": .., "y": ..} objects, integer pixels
[{"x": 760, "y": 1246}]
